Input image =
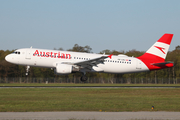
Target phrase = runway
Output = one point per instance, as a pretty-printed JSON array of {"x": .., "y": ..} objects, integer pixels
[
  {"x": 89, "y": 115},
  {"x": 89, "y": 86}
]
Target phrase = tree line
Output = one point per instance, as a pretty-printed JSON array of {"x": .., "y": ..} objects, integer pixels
[{"x": 170, "y": 75}]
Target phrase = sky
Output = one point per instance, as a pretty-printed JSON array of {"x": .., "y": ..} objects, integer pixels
[{"x": 120, "y": 25}]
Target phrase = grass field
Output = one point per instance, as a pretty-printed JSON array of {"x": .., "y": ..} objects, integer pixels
[{"x": 89, "y": 99}]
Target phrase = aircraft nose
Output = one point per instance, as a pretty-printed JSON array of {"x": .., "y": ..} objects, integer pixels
[
  {"x": 8, "y": 58},
  {"x": 12, "y": 59}
]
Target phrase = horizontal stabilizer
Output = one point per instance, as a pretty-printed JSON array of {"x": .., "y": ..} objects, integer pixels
[{"x": 163, "y": 64}]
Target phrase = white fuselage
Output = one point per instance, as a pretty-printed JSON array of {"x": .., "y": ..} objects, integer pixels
[
  {"x": 50, "y": 58},
  {"x": 66, "y": 62}
]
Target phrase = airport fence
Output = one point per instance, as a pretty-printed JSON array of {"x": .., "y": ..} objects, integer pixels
[{"x": 92, "y": 80}]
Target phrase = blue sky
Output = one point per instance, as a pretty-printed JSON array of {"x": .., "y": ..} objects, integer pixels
[{"x": 101, "y": 24}]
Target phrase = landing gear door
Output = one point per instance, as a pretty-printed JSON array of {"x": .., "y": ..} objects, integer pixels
[
  {"x": 28, "y": 54},
  {"x": 138, "y": 64}
]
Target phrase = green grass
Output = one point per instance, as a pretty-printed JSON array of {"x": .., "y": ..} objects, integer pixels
[
  {"x": 81, "y": 84},
  {"x": 89, "y": 99}
]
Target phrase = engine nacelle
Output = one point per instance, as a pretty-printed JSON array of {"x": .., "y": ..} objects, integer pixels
[{"x": 63, "y": 68}]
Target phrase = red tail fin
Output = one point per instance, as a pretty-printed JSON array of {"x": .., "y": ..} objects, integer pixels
[{"x": 157, "y": 53}]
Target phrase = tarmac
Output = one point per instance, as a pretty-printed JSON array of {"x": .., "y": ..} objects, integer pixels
[{"x": 90, "y": 115}]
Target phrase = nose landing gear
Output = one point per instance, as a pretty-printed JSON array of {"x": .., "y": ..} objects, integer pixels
[{"x": 27, "y": 70}]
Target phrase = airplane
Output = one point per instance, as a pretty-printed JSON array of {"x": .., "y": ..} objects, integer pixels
[{"x": 66, "y": 62}]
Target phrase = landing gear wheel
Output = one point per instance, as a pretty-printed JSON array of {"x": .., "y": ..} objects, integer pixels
[
  {"x": 27, "y": 70},
  {"x": 84, "y": 78}
]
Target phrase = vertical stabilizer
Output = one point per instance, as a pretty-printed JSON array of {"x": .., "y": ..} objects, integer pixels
[
  {"x": 155, "y": 56},
  {"x": 159, "y": 50}
]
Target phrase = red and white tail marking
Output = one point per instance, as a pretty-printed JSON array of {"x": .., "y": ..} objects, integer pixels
[
  {"x": 161, "y": 47},
  {"x": 157, "y": 52}
]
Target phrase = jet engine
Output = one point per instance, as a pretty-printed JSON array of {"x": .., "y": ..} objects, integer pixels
[{"x": 63, "y": 69}]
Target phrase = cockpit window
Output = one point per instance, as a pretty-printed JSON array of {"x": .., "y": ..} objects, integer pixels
[{"x": 16, "y": 52}]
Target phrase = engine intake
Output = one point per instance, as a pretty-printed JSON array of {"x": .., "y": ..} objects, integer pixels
[{"x": 63, "y": 69}]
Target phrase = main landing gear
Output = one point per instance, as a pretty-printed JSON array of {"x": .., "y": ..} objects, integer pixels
[{"x": 84, "y": 77}]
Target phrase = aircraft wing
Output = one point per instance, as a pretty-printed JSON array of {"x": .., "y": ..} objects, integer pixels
[{"x": 88, "y": 64}]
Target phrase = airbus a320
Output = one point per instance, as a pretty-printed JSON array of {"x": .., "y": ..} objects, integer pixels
[{"x": 66, "y": 62}]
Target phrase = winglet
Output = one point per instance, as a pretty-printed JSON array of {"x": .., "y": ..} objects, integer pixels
[{"x": 110, "y": 56}]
